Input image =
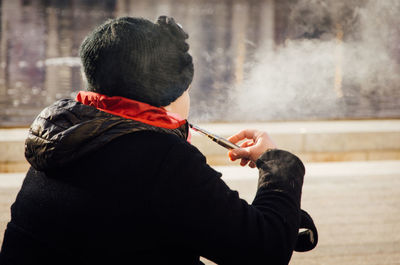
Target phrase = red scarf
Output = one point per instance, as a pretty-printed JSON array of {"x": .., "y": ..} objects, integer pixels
[{"x": 131, "y": 109}]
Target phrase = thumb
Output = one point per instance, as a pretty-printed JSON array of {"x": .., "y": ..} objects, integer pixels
[{"x": 239, "y": 153}]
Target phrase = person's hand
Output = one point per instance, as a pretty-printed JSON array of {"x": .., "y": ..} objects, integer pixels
[{"x": 257, "y": 143}]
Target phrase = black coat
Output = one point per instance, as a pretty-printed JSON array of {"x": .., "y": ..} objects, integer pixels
[{"x": 107, "y": 190}]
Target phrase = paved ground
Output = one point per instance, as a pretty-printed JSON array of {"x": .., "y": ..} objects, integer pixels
[{"x": 356, "y": 207}]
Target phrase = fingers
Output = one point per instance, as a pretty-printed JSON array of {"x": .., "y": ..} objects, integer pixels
[
  {"x": 248, "y": 153},
  {"x": 244, "y": 162},
  {"x": 239, "y": 153},
  {"x": 247, "y": 144},
  {"x": 244, "y": 134}
]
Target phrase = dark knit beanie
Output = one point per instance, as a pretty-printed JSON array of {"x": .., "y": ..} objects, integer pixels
[{"x": 138, "y": 59}]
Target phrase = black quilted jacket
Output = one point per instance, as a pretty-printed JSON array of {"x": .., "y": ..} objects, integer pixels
[{"x": 107, "y": 190}]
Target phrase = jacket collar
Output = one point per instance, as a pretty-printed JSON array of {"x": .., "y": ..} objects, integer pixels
[
  {"x": 67, "y": 130},
  {"x": 131, "y": 109}
]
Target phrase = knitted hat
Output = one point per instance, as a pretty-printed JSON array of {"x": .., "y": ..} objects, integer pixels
[{"x": 138, "y": 59}]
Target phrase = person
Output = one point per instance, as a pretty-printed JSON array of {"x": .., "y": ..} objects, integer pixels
[{"x": 114, "y": 180}]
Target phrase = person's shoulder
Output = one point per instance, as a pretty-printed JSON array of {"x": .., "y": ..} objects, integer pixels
[
  {"x": 153, "y": 138},
  {"x": 156, "y": 141},
  {"x": 166, "y": 151},
  {"x": 180, "y": 148}
]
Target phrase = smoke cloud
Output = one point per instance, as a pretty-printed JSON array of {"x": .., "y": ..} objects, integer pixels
[{"x": 340, "y": 59}]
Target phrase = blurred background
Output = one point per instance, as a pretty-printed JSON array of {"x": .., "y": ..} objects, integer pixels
[
  {"x": 322, "y": 77},
  {"x": 257, "y": 60}
]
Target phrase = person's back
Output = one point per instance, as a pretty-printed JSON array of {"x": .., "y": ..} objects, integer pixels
[
  {"x": 146, "y": 196},
  {"x": 114, "y": 179},
  {"x": 103, "y": 208}
]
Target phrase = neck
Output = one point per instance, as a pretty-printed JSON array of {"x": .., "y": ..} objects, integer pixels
[{"x": 131, "y": 109}]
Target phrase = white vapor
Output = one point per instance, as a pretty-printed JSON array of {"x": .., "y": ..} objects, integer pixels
[{"x": 340, "y": 57}]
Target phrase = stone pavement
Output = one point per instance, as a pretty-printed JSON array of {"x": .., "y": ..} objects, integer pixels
[{"x": 355, "y": 205}]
